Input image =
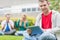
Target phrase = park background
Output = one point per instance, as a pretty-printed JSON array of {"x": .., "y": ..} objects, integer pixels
[{"x": 19, "y": 7}]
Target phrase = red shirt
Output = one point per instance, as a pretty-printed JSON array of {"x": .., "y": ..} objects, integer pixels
[{"x": 46, "y": 21}]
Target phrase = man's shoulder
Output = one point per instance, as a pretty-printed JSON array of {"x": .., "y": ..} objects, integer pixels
[
  {"x": 55, "y": 12},
  {"x": 10, "y": 21},
  {"x": 39, "y": 15},
  {"x": 3, "y": 21}
]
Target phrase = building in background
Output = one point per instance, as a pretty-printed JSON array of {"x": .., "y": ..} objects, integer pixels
[{"x": 18, "y": 7}]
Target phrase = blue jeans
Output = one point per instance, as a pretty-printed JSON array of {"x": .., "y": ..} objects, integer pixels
[
  {"x": 1, "y": 32},
  {"x": 44, "y": 36},
  {"x": 28, "y": 37},
  {"x": 47, "y": 36},
  {"x": 31, "y": 38},
  {"x": 18, "y": 33}
]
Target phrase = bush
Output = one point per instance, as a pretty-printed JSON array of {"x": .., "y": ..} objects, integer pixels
[{"x": 31, "y": 20}]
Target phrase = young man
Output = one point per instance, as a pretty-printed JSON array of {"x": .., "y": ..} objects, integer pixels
[
  {"x": 48, "y": 20},
  {"x": 22, "y": 24},
  {"x": 8, "y": 25}
]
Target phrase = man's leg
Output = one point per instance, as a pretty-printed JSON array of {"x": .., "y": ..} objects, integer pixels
[
  {"x": 19, "y": 33},
  {"x": 47, "y": 36},
  {"x": 31, "y": 38},
  {"x": 28, "y": 37},
  {"x": 1, "y": 32},
  {"x": 10, "y": 32}
]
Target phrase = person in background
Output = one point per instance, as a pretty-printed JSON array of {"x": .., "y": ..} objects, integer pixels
[
  {"x": 22, "y": 24},
  {"x": 1, "y": 32},
  {"x": 8, "y": 25}
]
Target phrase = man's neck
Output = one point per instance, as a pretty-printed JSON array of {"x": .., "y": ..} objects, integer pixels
[
  {"x": 47, "y": 12},
  {"x": 24, "y": 20},
  {"x": 7, "y": 21}
]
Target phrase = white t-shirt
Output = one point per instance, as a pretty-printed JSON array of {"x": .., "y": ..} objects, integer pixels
[{"x": 11, "y": 23}]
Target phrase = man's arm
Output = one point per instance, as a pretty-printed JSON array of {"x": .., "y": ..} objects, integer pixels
[
  {"x": 56, "y": 28},
  {"x": 12, "y": 24},
  {"x": 3, "y": 25}
]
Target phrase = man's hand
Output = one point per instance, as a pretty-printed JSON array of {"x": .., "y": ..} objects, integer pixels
[
  {"x": 3, "y": 26},
  {"x": 12, "y": 26},
  {"x": 29, "y": 31}
]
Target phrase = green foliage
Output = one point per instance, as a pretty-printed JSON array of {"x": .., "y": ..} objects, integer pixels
[
  {"x": 31, "y": 21},
  {"x": 54, "y": 4}
]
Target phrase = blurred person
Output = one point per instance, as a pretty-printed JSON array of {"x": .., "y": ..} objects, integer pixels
[
  {"x": 8, "y": 25},
  {"x": 22, "y": 24}
]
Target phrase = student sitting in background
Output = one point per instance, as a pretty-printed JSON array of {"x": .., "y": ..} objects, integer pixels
[
  {"x": 22, "y": 24},
  {"x": 8, "y": 25}
]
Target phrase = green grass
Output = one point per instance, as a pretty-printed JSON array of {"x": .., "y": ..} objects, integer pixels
[{"x": 9, "y": 37}]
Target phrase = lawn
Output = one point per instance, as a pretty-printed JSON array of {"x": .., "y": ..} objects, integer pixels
[{"x": 9, "y": 37}]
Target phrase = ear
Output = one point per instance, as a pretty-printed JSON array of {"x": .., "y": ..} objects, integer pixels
[{"x": 48, "y": 3}]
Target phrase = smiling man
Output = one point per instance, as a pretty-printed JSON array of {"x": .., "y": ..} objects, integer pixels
[{"x": 48, "y": 20}]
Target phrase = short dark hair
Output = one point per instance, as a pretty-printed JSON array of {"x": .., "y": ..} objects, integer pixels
[{"x": 43, "y": 0}]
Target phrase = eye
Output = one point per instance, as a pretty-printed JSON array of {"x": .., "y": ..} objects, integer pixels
[
  {"x": 40, "y": 5},
  {"x": 44, "y": 5}
]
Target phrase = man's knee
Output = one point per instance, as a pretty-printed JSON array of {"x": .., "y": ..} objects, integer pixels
[{"x": 47, "y": 36}]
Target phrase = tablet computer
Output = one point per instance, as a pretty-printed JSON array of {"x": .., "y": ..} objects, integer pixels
[{"x": 35, "y": 30}]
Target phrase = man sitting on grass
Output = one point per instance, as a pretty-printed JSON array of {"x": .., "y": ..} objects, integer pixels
[
  {"x": 48, "y": 20},
  {"x": 22, "y": 24},
  {"x": 8, "y": 25}
]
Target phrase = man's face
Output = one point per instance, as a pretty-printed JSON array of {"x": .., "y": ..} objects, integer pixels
[
  {"x": 44, "y": 6},
  {"x": 24, "y": 17},
  {"x": 7, "y": 17}
]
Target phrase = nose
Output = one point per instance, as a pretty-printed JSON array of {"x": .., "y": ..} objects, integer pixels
[{"x": 42, "y": 7}]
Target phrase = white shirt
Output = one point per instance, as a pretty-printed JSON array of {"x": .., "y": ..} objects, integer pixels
[{"x": 5, "y": 23}]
